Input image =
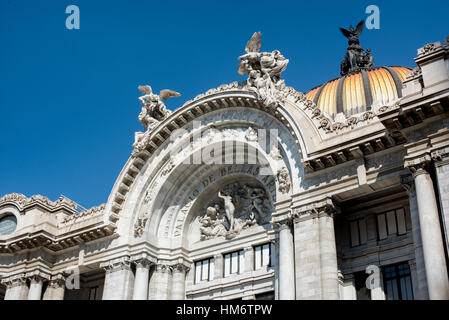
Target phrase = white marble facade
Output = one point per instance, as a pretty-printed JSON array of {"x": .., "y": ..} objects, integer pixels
[{"x": 207, "y": 207}]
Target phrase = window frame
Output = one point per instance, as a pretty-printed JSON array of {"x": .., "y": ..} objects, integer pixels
[
  {"x": 397, "y": 278},
  {"x": 240, "y": 256},
  {"x": 270, "y": 253},
  {"x": 209, "y": 274}
]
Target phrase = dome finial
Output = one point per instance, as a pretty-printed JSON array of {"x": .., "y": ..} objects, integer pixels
[{"x": 356, "y": 58}]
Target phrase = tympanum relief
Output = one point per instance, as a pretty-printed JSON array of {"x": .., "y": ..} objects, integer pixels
[{"x": 235, "y": 208}]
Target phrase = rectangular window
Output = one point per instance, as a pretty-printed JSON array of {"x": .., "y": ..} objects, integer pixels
[
  {"x": 391, "y": 222},
  {"x": 262, "y": 256},
  {"x": 234, "y": 263},
  {"x": 398, "y": 282},
  {"x": 358, "y": 232},
  {"x": 93, "y": 293},
  {"x": 204, "y": 270}
]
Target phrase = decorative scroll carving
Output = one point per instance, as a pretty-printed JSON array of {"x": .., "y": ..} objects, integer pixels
[
  {"x": 235, "y": 208},
  {"x": 283, "y": 177}
]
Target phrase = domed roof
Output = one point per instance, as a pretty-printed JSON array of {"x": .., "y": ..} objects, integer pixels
[{"x": 359, "y": 91}]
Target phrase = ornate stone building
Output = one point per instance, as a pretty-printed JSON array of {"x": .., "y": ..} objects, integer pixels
[{"x": 254, "y": 190}]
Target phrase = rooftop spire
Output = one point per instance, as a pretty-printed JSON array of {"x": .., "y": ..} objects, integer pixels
[{"x": 356, "y": 58}]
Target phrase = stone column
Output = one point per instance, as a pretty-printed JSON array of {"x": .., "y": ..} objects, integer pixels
[
  {"x": 162, "y": 276},
  {"x": 420, "y": 291},
  {"x": 142, "y": 279},
  {"x": 55, "y": 289},
  {"x": 315, "y": 251},
  {"x": 286, "y": 261},
  {"x": 178, "y": 291},
  {"x": 16, "y": 288},
  {"x": 119, "y": 280},
  {"x": 329, "y": 266},
  {"x": 36, "y": 284},
  {"x": 432, "y": 239},
  {"x": 441, "y": 161}
]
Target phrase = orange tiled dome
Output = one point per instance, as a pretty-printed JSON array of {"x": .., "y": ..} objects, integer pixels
[{"x": 359, "y": 91}]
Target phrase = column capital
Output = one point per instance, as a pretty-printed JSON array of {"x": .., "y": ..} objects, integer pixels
[
  {"x": 57, "y": 282},
  {"x": 286, "y": 223},
  {"x": 164, "y": 268},
  {"x": 116, "y": 265},
  {"x": 180, "y": 267},
  {"x": 15, "y": 281},
  {"x": 440, "y": 156},
  {"x": 319, "y": 208},
  {"x": 418, "y": 164},
  {"x": 37, "y": 276}
]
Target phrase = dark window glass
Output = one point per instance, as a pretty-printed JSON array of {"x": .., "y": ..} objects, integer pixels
[
  {"x": 265, "y": 296},
  {"x": 398, "y": 282},
  {"x": 363, "y": 293}
]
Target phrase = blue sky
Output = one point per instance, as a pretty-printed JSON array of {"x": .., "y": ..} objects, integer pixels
[{"x": 69, "y": 97}]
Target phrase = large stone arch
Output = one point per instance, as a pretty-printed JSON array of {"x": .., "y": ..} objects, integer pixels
[{"x": 221, "y": 110}]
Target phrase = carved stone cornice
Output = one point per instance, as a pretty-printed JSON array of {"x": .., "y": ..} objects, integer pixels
[
  {"x": 27, "y": 241},
  {"x": 22, "y": 202},
  {"x": 88, "y": 213},
  {"x": 324, "y": 207},
  {"x": 418, "y": 164}
]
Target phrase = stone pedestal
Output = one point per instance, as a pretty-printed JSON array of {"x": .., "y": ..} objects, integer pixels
[
  {"x": 142, "y": 279},
  {"x": 16, "y": 289},
  {"x": 119, "y": 281},
  {"x": 432, "y": 239},
  {"x": 178, "y": 291},
  {"x": 36, "y": 284},
  {"x": 286, "y": 261}
]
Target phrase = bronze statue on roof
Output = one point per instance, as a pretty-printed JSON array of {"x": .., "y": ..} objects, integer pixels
[{"x": 356, "y": 58}]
